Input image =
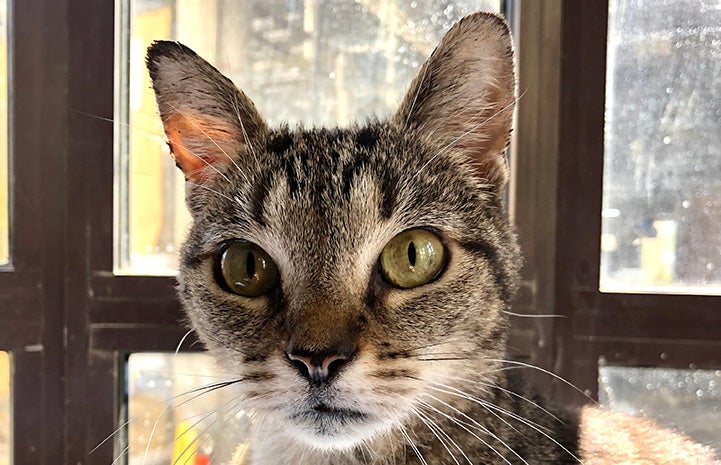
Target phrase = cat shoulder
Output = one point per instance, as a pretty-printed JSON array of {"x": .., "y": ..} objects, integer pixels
[{"x": 607, "y": 438}]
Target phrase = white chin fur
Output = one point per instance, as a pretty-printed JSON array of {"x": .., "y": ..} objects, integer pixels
[{"x": 344, "y": 438}]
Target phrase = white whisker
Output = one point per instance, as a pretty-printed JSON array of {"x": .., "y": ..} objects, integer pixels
[
  {"x": 514, "y": 394},
  {"x": 432, "y": 426},
  {"x": 528, "y": 315},
  {"x": 412, "y": 444},
  {"x": 550, "y": 373},
  {"x": 477, "y": 425},
  {"x": 182, "y": 339}
]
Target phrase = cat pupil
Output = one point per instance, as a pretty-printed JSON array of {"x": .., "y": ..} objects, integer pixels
[
  {"x": 250, "y": 264},
  {"x": 412, "y": 253}
]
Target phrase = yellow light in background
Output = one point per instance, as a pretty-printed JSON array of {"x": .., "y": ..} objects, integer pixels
[
  {"x": 186, "y": 443},
  {"x": 4, "y": 166},
  {"x": 146, "y": 146}
]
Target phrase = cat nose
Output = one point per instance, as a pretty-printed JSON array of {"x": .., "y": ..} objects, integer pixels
[{"x": 318, "y": 367}]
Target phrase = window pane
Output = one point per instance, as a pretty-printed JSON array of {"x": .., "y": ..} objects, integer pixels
[
  {"x": 662, "y": 176},
  {"x": 686, "y": 400},
  {"x": 172, "y": 415},
  {"x": 4, "y": 165},
  {"x": 5, "y": 436},
  {"x": 323, "y": 63}
]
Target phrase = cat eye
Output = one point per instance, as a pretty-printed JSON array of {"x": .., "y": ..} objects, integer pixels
[
  {"x": 412, "y": 258},
  {"x": 246, "y": 269}
]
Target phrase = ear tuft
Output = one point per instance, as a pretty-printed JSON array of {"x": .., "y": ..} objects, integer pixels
[
  {"x": 464, "y": 95},
  {"x": 207, "y": 120}
]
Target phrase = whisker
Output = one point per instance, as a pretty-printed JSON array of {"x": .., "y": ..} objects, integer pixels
[
  {"x": 481, "y": 402},
  {"x": 550, "y": 373},
  {"x": 538, "y": 429},
  {"x": 433, "y": 427},
  {"x": 205, "y": 430},
  {"x": 168, "y": 402},
  {"x": 441, "y": 359},
  {"x": 477, "y": 425},
  {"x": 154, "y": 137},
  {"x": 182, "y": 339},
  {"x": 192, "y": 443},
  {"x": 155, "y": 424},
  {"x": 428, "y": 354},
  {"x": 412, "y": 444},
  {"x": 461, "y": 424},
  {"x": 121, "y": 455},
  {"x": 433, "y": 344},
  {"x": 514, "y": 394},
  {"x": 528, "y": 315}
]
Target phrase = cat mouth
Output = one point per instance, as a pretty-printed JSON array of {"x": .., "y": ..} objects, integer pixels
[
  {"x": 327, "y": 417},
  {"x": 329, "y": 427},
  {"x": 327, "y": 411}
]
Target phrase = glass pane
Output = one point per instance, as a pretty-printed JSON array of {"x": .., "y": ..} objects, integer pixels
[
  {"x": 176, "y": 416},
  {"x": 662, "y": 176},
  {"x": 4, "y": 164},
  {"x": 323, "y": 63},
  {"x": 685, "y": 400},
  {"x": 5, "y": 437}
]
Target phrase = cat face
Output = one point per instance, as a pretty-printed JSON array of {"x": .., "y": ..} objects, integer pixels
[{"x": 346, "y": 274}]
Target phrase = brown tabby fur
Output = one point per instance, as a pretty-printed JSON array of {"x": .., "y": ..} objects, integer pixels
[{"x": 427, "y": 381}]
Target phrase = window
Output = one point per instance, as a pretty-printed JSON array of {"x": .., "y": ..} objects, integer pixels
[
  {"x": 175, "y": 414},
  {"x": 662, "y": 179},
  {"x": 651, "y": 312},
  {"x": 687, "y": 400}
]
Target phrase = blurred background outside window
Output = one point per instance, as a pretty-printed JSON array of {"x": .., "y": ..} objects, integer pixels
[
  {"x": 662, "y": 164},
  {"x": 5, "y": 436}
]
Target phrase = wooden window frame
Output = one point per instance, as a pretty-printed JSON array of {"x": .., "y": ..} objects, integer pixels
[{"x": 634, "y": 329}]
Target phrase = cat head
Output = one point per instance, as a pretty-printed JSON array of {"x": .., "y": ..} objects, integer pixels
[{"x": 344, "y": 274}]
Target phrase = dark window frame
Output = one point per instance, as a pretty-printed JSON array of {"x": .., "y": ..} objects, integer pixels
[
  {"x": 69, "y": 321},
  {"x": 634, "y": 329}
]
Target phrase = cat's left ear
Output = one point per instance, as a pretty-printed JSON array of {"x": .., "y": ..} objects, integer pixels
[
  {"x": 464, "y": 95},
  {"x": 207, "y": 120}
]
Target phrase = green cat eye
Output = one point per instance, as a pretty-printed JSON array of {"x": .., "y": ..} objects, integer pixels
[
  {"x": 412, "y": 258},
  {"x": 246, "y": 269}
]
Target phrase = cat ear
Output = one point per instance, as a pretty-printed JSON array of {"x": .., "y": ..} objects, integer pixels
[
  {"x": 207, "y": 120},
  {"x": 464, "y": 95}
]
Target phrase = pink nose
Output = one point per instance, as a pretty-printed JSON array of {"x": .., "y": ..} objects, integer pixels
[{"x": 317, "y": 367}]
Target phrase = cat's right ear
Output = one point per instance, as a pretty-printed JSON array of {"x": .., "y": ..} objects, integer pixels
[{"x": 207, "y": 120}]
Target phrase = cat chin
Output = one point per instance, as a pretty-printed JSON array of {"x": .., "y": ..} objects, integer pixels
[{"x": 336, "y": 435}]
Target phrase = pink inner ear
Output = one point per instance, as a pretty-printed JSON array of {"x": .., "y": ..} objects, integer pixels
[{"x": 198, "y": 142}]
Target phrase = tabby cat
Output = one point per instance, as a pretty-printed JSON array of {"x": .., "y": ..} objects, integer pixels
[{"x": 357, "y": 280}]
